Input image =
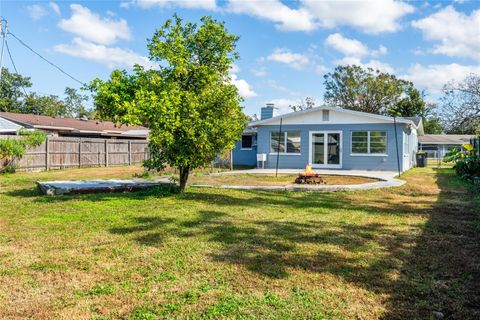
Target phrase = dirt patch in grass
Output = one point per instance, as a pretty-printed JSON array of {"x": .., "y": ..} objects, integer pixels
[{"x": 270, "y": 179}]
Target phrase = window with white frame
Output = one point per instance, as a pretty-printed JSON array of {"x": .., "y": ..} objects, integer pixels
[
  {"x": 285, "y": 142},
  {"x": 369, "y": 142},
  {"x": 247, "y": 142}
]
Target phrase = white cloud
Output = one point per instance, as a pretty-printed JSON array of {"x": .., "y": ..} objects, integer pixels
[
  {"x": 382, "y": 50},
  {"x": 92, "y": 27},
  {"x": 352, "y": 47},
  {"x": 36, "y": 11},
  {"x": 189, "y": 4},
  {"x": 379, "y": 65},
  {"x": 295, "y": 60},
  {"x": 54, "y": 7},
  {"x": 125, "y": 5},
  {"x": 368, "y": 16},
  {"x": 355, "y": 51},
  {"x": 259, "y": 72},
  {"x": 457, "y": 34},
  {"x": 112, "y": 57},
  {"x": 434, "y": 77},
  {"x": 282, "y": 105},
  {"x": 374, "y": 64},
  {"x": 244, "y": 88},
  {"x": 279, "y": 87},
  {"x": 320, "y": 69},
  {"x": 349, "y": 47},
  {"x": 286, "y": 18}
]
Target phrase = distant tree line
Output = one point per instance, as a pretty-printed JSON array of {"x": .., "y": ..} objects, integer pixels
[
  {"x": 349, "y": 87},
  {"x": 15, "y": 98}
]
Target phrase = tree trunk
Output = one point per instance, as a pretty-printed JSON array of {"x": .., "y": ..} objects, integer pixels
[{"x": 184, "y": 171}]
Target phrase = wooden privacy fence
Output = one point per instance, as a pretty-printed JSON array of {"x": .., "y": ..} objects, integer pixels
[{"x": 65, "y": 152}]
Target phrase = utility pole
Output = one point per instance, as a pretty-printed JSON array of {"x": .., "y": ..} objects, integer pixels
[{"x": 3, "y": 33}]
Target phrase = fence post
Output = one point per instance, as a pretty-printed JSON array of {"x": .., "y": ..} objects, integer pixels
[
  {"x": 129, "y": 152},
  {"x": 80, "y": 152},
  {"x": 47, "y": 154},
  {"x": 106, "y": 152}
]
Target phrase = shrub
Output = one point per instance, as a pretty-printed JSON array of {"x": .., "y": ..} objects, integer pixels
[
  {"x": 468, "y": 167},
  {"x": 14, "y": 149},
  {"x": 466, "y": 163}
]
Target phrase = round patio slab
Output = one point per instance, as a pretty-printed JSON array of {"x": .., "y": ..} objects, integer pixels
[{"x": 385, "y": 180}]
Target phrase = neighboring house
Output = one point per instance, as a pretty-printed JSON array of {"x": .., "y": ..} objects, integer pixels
[
  {"x": 329, "y": 138},
  {"x": 8, "y": 127},
  {"x": 68, "y": 127},
  {"x": 437, "y": 145}
]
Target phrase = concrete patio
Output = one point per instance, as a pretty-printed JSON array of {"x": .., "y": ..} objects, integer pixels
[
  {"x": 382, "y": 175},
  {"x": 387, "y": 179}
]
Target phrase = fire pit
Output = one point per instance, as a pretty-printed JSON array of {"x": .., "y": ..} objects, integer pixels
[{"x": 309, "y": 177}]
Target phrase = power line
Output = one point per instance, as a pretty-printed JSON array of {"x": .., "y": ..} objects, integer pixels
[
  {"x": 13, "y": 63},
  {"x": 46, "y": 60}
]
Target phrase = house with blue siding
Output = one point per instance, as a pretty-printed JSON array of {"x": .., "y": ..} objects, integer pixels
[{"x": 329, "y": 138}]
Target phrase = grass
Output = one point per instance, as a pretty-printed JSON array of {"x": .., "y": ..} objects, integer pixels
[
  {"x": 270, "y": 179},
  {"x": 398, "y": 253}
]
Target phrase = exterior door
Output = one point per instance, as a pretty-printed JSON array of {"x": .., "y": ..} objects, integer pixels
[{"x": 325, "y": 149}]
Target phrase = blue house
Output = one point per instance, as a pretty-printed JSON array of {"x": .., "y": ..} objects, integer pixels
[{"x": 329, "y": 138}]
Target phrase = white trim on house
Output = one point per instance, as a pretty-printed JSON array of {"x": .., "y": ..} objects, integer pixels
[
  {"x": 325, "y": 149},
  {"x": 368, "y": 154},
  {"x": 7, "y": 126},
  {"x": 379, "y": 118}
]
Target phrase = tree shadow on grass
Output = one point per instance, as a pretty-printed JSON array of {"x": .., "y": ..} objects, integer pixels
[
  {"x": 442, "y": 273},
  {"x": 273, "y": 248},
  {"x": 301, "y": 202}
]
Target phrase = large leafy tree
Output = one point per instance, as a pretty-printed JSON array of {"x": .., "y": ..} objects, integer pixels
[
  {"x": 12, "y": 86},
  {"x": 74, "y": 102},
  {"x": 15, "y": 98},
  {"x": 368, "y": 90},
  {"x": 411, "y": 104},
  {"x": 432, "y": 126},
  {"x": 460, "y": 105},
  {"x": 49, "y": 105},
  {"x": 191, "y": 108}
]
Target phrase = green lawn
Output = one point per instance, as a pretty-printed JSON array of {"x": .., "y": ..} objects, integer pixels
[{"x": 396, "y": 253}]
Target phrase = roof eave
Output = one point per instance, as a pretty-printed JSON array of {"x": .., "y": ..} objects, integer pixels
[{"x": 291, "y": 114}]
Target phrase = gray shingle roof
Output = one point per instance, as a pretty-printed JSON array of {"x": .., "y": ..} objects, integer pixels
[
  {"x": 415, "y": 120},
  {"x": 445, "y": 138}
]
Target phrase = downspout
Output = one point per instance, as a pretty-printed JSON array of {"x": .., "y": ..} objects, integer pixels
[
  {"x": 278, "y": 148},
  {"x": 396, "y": 145}
]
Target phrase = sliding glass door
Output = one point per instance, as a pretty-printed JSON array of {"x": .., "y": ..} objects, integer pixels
[{"x": 326, "y": 149}]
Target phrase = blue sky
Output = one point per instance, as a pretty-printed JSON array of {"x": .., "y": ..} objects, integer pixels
[{"x": 286, "y": 46}]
